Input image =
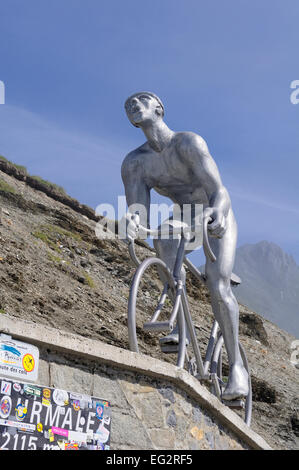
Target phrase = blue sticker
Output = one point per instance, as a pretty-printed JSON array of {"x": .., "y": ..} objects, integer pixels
[
  {"x": 99, "y": 410},
  {"x": 21, "y": 412}
]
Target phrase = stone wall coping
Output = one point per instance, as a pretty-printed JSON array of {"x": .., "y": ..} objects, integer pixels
[{"x": 62, "y": 341}]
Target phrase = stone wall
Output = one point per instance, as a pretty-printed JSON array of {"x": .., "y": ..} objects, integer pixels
[
  {"x": 154, "y": 405},
  {"x": 146, "y": 413}
]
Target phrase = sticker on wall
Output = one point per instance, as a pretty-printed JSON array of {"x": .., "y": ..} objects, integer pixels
[
  {"x": 46, "y": 393},
  {"x": 99, "y": 410},
  {"x": 5, "y": 406},
  {"x": 17, "y": 387},
  {"x": 32, "y": 390},
  {"x": 61, "y": 397},
  {"x": 5, "y": 387},
  {"x": 45, "y": 418},
  {"x": 19, "y": 360},
  {"x": 76, "y": 405},
  {"x": 21, "y": 412},
  {"x": 28, "y": 362},
  {"x": 39, "y": 427},
  {"x": 102, "y": 434}
]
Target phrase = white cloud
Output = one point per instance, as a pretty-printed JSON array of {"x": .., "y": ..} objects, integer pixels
[
  {"x": 28, "y": 136},
  {"x": 261, "y": 201}
]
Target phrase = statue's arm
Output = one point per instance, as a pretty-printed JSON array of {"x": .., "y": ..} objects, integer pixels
[
  {"x": 206, "y": 172},
  {"x": 136, "y": 190}
]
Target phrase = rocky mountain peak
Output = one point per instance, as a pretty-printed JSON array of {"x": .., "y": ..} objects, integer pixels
[{"x": 270, "y": 283}]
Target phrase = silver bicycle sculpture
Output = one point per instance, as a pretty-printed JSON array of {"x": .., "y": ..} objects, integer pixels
[{"x": 209, "y": 370}]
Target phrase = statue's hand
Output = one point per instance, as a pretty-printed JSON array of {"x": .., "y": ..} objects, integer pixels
[
  {"x": 129, "y": 227},
  {"x": 217, "y": 226}
]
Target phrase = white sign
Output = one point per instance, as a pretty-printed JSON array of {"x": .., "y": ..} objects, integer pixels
[{"x": 18, "y": 360}]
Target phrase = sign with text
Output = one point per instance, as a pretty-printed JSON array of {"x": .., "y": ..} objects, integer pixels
[
  {"x": 18, "y": 360},
  {"x": 33, "y": 417}
]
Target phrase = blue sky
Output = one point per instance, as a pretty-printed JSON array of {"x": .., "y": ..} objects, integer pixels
[{"x": 222, "y": 69}]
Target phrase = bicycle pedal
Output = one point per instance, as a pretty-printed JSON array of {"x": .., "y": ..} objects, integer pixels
[
  {"x": 158, "y": 326},
  {"x": 169, "y": 348},
  {"x": 236, "y": 404}
]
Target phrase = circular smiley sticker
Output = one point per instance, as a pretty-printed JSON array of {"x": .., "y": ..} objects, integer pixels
[{"x": 28, "y": 362}]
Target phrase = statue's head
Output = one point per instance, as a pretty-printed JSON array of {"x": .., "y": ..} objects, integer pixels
[{"x": 144, "y": 107}]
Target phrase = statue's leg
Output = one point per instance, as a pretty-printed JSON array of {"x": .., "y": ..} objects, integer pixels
[
  {"x": 225, "y": 306},
  {"x": 166, "y": 250}
]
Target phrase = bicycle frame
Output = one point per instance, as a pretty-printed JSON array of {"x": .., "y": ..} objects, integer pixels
[
  {"x": 203, "y": 366},
  {"x": 181, "y": 308}
]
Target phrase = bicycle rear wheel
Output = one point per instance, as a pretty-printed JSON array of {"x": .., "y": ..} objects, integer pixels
[
  {"x": 217, "y": 367},
  {"x": 174, "y": 302}
]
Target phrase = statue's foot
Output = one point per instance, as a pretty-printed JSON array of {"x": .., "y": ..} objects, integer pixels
[{"x": 237, "y": 386}]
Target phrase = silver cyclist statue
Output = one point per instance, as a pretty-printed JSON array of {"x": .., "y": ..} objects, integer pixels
[{"x": 179, "y": 166}]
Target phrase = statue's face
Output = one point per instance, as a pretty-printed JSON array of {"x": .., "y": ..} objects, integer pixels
[{"x": 142, "y": 109}]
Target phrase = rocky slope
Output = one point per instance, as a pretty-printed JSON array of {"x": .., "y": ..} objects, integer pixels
[
  {"x": 271, "y": 283},
  {"x": 55, "y": 271}
]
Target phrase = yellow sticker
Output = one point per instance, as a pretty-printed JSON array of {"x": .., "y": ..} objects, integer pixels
[
  {"x": 46, "y": 393},
  {"x": 28, "y": 362},
  {"x": 39, "y": 427}
]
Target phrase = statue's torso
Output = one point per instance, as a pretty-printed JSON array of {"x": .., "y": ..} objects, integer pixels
[{"x": 170, "y": 174}]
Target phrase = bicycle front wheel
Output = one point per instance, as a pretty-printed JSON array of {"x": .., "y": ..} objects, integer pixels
[{"x": 141, "y": 284}]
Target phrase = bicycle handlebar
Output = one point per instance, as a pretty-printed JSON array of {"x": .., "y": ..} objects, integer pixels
[{"x": 178, "y": 231}]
